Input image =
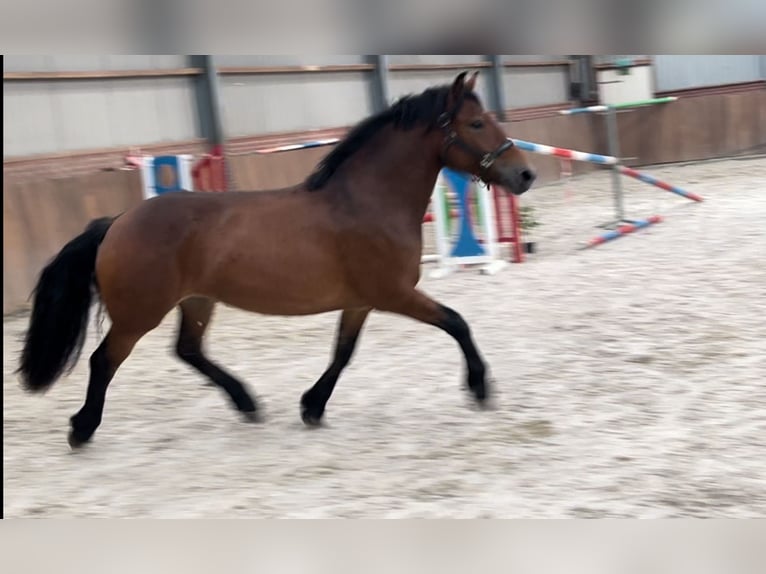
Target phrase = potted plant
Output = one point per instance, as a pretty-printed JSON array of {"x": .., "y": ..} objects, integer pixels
[{"x": 528, "y": 221}]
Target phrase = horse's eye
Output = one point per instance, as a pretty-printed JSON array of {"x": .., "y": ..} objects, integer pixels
[{"x": 477, "y": 125}]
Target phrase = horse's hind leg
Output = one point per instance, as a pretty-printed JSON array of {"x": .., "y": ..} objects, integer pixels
[
  {"x": 314, "y": 400},
  {"x": 104, "y": 362},
  {"x": 196, "y": 313}
]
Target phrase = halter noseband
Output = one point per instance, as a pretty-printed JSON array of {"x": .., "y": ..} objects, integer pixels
[{"x": 444, "y": 122}]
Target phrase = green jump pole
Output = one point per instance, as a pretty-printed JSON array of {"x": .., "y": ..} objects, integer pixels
[{"x": 622, "y": 106}]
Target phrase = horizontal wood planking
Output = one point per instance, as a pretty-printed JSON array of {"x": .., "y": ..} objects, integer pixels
[
  {"x": 41, "y": 215},
  {"x": 713, "y": 90},
  {"x": 89, "y": 161},
  {"x": 695, "y": 128},
  {"x": 254, "y": 171},
  {"x": 535, "y": 112}
]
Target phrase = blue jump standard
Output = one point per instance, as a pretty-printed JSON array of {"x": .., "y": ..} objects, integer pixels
[{"x": 467, "y": 245}]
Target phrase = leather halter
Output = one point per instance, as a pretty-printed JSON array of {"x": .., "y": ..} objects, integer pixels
[{"x": 444, "y": 122}]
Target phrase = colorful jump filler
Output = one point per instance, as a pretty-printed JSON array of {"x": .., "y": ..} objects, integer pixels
[{"x": 466, "y": 248}]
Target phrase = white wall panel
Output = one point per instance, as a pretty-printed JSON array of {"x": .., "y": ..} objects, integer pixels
[
  {"x": 29, "y": 121},
  {"x": 66, "y": 115},
  {"x": 436, "y": 59},
  {"x": 414, "y": 82},
  {"x": 680, "y": 72},
  {"x": 88, "y": 63},
  {"x": 528, "y": 87},
  {"x": 269, "y": 103}
]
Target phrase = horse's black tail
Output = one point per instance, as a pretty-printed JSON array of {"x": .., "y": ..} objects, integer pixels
[{"x": 61, "y": 309}]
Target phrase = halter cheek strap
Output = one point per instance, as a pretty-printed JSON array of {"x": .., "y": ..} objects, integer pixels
[
  {"x": 486, "y": 160},
  {"x": 489, "y": 158}
]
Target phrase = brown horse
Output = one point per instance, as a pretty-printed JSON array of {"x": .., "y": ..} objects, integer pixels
[{"x": 348, "y": 238}]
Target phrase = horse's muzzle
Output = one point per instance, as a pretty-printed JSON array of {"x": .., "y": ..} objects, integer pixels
[{"x": 517, "y": 180}]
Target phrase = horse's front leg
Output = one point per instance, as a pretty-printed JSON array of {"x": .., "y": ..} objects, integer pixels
[{"x": 421, "y": 307}]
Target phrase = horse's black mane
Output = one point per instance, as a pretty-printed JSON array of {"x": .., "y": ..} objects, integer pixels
[{"x": 408, "y": 112}]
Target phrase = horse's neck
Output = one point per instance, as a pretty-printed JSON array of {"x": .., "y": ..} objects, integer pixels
[{"x": 399, "y": 169}]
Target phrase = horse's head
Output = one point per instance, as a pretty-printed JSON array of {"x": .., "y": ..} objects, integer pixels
[{"x": 475, "y": 143}]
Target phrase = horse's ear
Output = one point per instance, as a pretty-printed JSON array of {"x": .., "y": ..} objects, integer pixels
[
  {"x": 458, "y": 86},
  {"x": 470, "y": 84}
]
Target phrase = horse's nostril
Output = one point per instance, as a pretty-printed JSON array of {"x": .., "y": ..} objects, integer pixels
[{"x": 527, "y": 175}]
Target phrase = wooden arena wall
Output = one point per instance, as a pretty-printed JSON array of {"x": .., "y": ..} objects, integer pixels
[{"x": 40, "y": 215}]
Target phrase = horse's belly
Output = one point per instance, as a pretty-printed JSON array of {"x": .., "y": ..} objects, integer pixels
[
  {"x": 291, "y": 286},
  {"x": 284, "y": 302}
]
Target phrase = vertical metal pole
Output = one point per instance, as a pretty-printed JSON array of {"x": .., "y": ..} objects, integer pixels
[
  {"x": 588, "y": 74},
  {"x": 210, "y": 78},
  {"x": 380, "y": 91},
  {"x": 496, "y": 86},
  {"x": 208, "y": 100},
  {"x": 574, "y": 79},
  {"x": 217, "y": 136},
  {"x": 209, "y": 113},
  {"x": 579, "y": 71},
  {"x": 614, "y": 150}
]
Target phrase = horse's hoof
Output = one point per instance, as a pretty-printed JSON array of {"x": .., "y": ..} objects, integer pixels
[
  {"x": 485, "y": 404},
  {"x": 483, "y": 399},
  {"x": 311, "y": 420},
  {"x": 481, "y": 396},
  {"x": 252, "y": 416},
  {"x": 76, "y": 442}
]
